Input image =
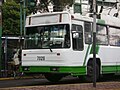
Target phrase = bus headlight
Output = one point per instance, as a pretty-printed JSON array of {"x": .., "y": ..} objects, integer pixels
[
  {"x": 54, "y": 69},
  {"x": 26, "y": 68}
]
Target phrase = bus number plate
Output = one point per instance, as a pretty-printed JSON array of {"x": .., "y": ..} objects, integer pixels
[{"x": 40, "y": 58}]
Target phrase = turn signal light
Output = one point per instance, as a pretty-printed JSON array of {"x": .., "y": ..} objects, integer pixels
[
  {"x": 58, "y": 54},
  {"x": 24, "y": 54}
]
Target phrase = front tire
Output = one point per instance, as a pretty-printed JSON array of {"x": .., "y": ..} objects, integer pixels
[
  {"x": 36, "y": 76},
  {"x": 53, "y": 77}
]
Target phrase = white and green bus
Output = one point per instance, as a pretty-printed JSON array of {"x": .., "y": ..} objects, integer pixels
[{"x": 58, "y": 44}]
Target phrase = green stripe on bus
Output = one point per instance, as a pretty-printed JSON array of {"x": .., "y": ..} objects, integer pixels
[
  {"x": 74, "y": 70},
  {"x": 110, "y": 69},
  {"x": 91, "y": 52},
  {"x": 97, "y": 49},
  {"x": 86, "y": 55}
]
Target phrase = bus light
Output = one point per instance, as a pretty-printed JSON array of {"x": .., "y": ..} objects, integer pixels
[
  {"x": 58, "y": 54},
  {"x": 54, "y": 68},
  {"x": 24, "y": 54},
  {"x": 26, "y": 68},
  {"x": 72, "y": 17}
]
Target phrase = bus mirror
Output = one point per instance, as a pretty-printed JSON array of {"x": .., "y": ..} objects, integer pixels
[{"x": 75, "y": 35}]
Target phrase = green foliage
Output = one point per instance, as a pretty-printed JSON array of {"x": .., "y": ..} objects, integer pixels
[
  {"x": 11, "y": 18},
  {"x": 31, "y": 6},
  {"x": 32, "y": 3},
  {"x": 58, "y": 4},
  {"x": 63, "y": 2}
]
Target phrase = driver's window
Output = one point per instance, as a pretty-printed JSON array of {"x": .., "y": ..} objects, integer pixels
[{"x": 77, "y": 37}]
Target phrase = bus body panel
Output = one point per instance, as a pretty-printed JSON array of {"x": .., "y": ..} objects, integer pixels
[{"x": 58, "y": 57}]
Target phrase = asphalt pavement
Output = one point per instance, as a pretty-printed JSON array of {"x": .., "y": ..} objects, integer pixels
[{"x": 72, "y": 84}]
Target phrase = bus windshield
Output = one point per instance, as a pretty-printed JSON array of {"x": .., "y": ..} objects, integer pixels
[{"x": 50, "y": 36}]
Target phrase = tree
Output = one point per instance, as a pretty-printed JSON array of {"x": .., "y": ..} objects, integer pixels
[
  {"x": 11, "y": 18},
  {"x": 59, "y": 5}
]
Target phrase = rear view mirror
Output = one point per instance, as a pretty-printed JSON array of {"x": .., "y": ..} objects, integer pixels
[{"x": 76, "y": 35}]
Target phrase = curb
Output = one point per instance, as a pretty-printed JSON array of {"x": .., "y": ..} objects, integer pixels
[
  {"x": 11, "y": 78},
  {"x": 23, "y": 77}
]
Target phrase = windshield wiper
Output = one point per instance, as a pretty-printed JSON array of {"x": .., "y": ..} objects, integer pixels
[{"x": 50, "y": 48}]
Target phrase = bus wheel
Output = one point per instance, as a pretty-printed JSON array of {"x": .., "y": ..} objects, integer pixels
[
  {"x": 53, "y": 77},
  {"x": 90, "y": 69},
  {"x": 36, "y": 76},
  {"x": 82, "y": 78}
]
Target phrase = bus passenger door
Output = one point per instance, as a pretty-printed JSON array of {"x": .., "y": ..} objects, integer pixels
[{"x": 77, "y": 37}]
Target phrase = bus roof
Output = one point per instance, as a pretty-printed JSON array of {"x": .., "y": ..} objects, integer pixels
[
  {"x": 105, "y": 19},
  {"x": 66, "y": 17},
  {"x": 48, "y": 18}
]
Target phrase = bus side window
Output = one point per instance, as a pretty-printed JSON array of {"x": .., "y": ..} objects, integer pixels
[
  {"x": 114, "y": 36},
  {"x": 77, "y": 37},
  {"x": 88, "y": 32}
]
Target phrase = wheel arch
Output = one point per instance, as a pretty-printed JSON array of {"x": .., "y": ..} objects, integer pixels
[{"x": 98, "y": 62}]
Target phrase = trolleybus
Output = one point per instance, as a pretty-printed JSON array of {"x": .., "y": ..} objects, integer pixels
[{"x": 58, "y": 44}]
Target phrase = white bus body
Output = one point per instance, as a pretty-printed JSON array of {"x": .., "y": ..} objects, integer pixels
[{"x": 48, "y": 52}]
